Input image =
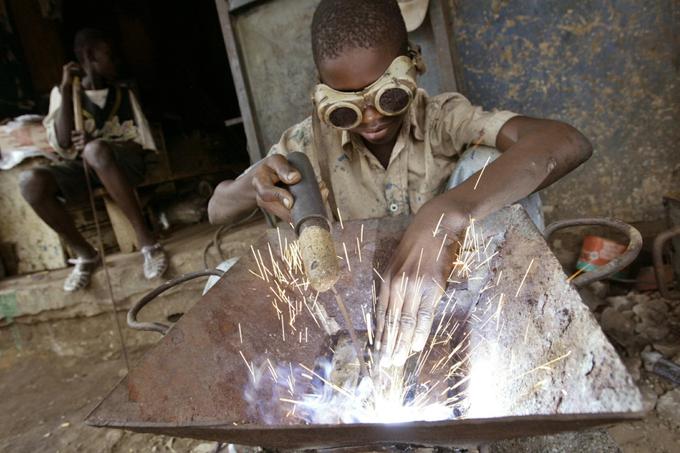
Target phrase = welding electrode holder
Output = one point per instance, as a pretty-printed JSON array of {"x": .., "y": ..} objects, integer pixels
[
  {"x": 312, "y": 226},
  {"x": 308, "y": 208}
]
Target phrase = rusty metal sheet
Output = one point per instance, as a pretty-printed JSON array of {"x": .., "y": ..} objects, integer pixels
[{"x": 543, "y": 365}]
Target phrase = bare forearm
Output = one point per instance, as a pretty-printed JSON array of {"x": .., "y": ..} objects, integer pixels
[
  {"x": 231, "y": 199},
  {"x": 64, "y": 123},
  {"x": 538, "y": 157}
]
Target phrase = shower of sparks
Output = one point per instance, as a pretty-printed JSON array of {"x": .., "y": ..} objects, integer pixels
[
  {"x": 481, "y": 172},
  {"x": 524, "y": 278},
  {"x": 576, "y": 274},
  {"x": 437, "y": 381},
  {"x": 441, "y": 247},
  {"x": 436, "y": 229},
  {"x": 349, "y": 266}
]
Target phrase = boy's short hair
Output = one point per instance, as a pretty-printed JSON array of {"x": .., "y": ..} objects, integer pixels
[
  {"x": 87, "y": 38},
  {"x": 340, "y": 25}
]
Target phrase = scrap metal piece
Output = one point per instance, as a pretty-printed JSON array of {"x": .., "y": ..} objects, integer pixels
[{"x": 541, "y": 366}]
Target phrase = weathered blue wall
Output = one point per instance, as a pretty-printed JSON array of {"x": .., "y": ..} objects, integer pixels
[{"x": 610, "y": 68}]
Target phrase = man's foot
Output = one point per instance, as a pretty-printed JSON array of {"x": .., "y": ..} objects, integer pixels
[
  {"x": 82, "y": 273},
  {"x": 155, "y": 261}
]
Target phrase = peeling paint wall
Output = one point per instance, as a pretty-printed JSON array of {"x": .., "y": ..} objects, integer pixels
[{"x": 609, "y": 68}]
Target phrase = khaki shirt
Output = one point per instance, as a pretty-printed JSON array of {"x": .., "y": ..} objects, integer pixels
[{"x": 435, "y": 132}]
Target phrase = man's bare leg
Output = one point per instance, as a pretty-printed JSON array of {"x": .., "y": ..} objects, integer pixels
[
  {"x": 99, "y": 156},
  {"x": 39, "y": 189}
]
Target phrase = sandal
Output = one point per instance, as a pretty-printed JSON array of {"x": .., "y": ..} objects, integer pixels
[
  {"x": 82, "y": 273},
  {"x": 155, "y": 261}
]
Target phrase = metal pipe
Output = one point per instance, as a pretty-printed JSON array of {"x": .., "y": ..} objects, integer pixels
[
  {"x": 657, "y": 252},
  {"x": 157, "y": 326}
]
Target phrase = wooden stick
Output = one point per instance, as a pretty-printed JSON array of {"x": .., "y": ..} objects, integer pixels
[{"x": 77, "y": 105}]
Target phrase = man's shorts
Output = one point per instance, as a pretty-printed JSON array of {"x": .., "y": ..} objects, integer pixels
[{"x": 70, "y": 174}]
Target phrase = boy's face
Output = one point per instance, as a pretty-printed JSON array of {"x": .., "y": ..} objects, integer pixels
[
  {"x": 354, "y": 70},
  {"x": 99, "y": 60}
]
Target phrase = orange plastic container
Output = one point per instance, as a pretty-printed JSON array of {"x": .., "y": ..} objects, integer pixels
[{"x": 597, "y": 251}]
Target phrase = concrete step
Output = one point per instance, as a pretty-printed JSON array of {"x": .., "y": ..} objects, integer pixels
[{"x": 39, "y": 297}]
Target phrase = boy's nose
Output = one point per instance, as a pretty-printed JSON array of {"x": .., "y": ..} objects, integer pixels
[{"x": 371, "y": 115}]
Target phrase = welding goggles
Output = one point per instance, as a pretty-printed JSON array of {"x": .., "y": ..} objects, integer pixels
[{"x": 391, "y": 95}]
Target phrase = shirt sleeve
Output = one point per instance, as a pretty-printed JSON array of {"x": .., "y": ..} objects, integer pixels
[
  {"x": 296, "y": 138},
  {"x": 49, "y": 122},
  {"x": 465, "y": 124}
]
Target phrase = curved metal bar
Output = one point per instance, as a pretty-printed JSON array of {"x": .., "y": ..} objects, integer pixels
[
  {"x": 157, "y": 326},
  {"x": 657, "y": 253},
  {"x": 615, "y": 265}
]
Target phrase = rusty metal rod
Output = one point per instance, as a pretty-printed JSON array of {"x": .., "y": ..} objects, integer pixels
[
  {"x": 157, "y": 326},
  {"x": 352, "y": 333},
  {"x": 657, "y": 253}
]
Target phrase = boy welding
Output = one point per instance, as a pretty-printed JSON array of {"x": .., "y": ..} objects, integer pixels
[
  {"x": 381, "y": 146},
  {"x": 113, "y": 144}
]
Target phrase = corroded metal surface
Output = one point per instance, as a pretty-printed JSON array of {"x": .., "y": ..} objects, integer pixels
[
  {"x": 557, "y": 59},
  {"x": 542, "y": 366}
]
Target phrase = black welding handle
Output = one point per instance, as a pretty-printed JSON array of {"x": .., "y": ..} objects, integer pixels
[
  {"x": 615, "y": 265},
  {"x": 308, "y": 201},
  {"x": 157, "y": 326},
  {"x": 657, "y": 252}
]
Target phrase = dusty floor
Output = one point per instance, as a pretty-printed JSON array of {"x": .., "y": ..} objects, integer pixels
[
  {"x": 45, "y": 400},
  {"x": 53, "y": 373}
]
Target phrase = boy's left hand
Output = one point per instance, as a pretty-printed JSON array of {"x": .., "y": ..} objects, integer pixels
[
  {"x": 79, "y": 139},
  {"x": 413, "y": 283}
]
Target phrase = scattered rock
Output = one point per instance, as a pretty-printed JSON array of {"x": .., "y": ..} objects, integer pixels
[
  {"x": 592, "y": 300},
  {"x": 628, "y": 314},
  {"x": 615, "y": 324},
  {"x": 649, "y": 315},
  {"x": 667, "y": 349},
  {"x": 113, "y": 437},
  {"x": 654, "y": 333},
  {"x": 659, "y": 305},
  {"x": 600, "y": 289},
  {"x": 633, "y": 365},
  {"x": 649, "y": 397},
  {"x": 620, "y": 303},
  {"x": 668, "y": 408},
  {"x": 205, "y": 448}
]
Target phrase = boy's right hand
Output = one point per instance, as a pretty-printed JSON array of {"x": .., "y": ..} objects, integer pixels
[
  {"x": 274, "y": 199},
  {"x": 70, "y": 70}
]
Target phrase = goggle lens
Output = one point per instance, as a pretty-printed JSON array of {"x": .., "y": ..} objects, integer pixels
[
  {"x": 343, "y": 117},
  {"x": 394, "y": 100}
]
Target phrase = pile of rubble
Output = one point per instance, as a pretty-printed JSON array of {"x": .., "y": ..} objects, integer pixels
[{"x": 645, "y": 322}]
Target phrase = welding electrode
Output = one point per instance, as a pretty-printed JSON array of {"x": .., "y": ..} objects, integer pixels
[{"x": 312, "y": 226}]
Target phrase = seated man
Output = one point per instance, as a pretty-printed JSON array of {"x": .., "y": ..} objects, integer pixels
[
  {"x": 383, "y": 147},
  {"x": 113, "y": 145}
]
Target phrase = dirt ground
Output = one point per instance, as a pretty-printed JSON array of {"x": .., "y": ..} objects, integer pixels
[{"x": 46, "y": 398}]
